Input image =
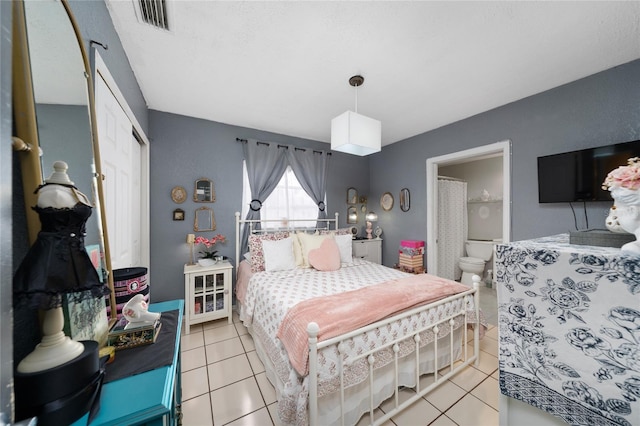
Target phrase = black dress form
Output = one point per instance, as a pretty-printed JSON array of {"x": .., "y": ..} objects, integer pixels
[{"x": 57, "y": 262}]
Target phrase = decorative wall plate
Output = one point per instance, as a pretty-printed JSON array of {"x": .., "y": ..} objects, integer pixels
[
  {"x": 178, "y": 194},
  {"x": 386, "y": 201}
]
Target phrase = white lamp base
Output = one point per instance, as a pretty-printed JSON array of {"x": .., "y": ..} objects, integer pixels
[{"x": 55, "y": 348}]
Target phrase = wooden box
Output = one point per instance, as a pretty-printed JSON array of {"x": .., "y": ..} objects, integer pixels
[{"x": 121, "y": 336}]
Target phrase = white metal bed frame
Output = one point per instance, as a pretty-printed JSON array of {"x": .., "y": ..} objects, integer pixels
[{"x": 439, "y": 376}]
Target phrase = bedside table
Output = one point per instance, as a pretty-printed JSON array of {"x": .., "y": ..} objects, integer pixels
[
  {"x": 366, "y": 249},
  {"x": 207, "y": 291}
]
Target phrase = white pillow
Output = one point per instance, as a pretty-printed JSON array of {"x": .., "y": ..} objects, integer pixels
[
  {"x": 247, "y": 256},
  {"x": 309, "y": 242},
  {"x": 345, "y": 246},
  {"x": 278, "y": 255}
]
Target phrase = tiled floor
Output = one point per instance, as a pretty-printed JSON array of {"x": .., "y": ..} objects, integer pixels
[{"x": 223, "y": 382}]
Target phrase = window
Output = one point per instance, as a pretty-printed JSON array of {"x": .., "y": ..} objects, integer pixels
[{"x": 287, "y": 201}]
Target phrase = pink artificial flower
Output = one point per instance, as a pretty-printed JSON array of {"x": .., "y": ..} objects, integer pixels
[
  {"x": 208, "y": 243},
  {"x": 624, "y": 176}
]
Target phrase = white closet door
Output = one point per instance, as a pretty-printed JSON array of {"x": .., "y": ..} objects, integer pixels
[{"x": 120, "y": 162}]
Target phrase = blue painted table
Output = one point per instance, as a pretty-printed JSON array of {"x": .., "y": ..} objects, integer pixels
[{"x": 150, "y": 398}]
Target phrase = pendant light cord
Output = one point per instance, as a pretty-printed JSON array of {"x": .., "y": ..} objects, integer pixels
[{"x": 356, "y": 98}]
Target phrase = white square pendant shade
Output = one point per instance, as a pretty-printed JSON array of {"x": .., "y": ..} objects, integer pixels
[{"x": 355, "y": 134}]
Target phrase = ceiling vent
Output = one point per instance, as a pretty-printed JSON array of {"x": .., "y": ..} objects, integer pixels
[{"x": 153, "y": 12}]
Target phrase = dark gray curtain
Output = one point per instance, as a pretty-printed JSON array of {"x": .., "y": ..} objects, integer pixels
[
  {"x": 310, "y": 168},
  {"x": 266, "y": 163}
]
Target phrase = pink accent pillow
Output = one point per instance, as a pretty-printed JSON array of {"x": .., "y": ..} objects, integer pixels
[{"x": 326, "y": 257}]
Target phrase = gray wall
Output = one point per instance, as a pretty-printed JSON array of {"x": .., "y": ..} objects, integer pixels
[
  {"x": 184, "y": 149},
  {"x": 480, "y": 175},
  {"x": 598, "y": 110}
]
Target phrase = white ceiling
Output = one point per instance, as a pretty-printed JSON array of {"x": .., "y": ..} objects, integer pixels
[{"x": 284, "y": 66}]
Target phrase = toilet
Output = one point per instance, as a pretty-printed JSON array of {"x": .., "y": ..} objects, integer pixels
[{"x": 478, "y": 254}]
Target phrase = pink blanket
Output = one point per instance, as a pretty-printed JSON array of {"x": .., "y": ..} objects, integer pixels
[{"x": 340, "y": 313}]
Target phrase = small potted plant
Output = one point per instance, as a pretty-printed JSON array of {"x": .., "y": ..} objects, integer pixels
[{"x": 208, "y": 255}]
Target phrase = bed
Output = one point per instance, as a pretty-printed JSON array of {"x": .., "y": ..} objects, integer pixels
[{"x": 338, "y": 342}]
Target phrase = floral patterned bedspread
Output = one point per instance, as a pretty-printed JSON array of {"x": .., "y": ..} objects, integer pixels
[{"x": 569, "y": 327}]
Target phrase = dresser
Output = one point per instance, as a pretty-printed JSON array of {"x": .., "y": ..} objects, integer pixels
[
  {"x": 569, "y": 328},
  {"x": 207, "y": 291},
  {"x": 370, "y": 250},
  {"x": 150, "y": 397}
]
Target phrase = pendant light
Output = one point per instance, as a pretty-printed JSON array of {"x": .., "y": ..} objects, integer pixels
[{"x": 355, "y": 133}]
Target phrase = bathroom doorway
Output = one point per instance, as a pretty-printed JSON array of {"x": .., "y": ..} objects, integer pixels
[
  {"x": 499, "y": 149},
  {"x": 434, "y": 164}
]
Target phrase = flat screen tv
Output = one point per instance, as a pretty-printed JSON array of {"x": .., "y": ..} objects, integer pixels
[{"x": 578, "y": 175}]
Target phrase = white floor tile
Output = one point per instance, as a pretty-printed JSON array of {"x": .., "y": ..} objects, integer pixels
[
  {"x": 235, "y": 401},
  {"x": 197, "y": 411},
  {"x": 193, "y": 358},
  {"x": 492, "y": 333},
  {"x": 228, "y": 371},
  {"x": 223, "y": 350},
  {"x": 487, "y": 363},
  {"x": 273, "y": 410},
  {"x": 266, "y": 388},
  {"x": 256, "y": 365},
  {"x": 445, "y": 395},
  {"x": 468, "y": 378},
  {"x": 257, "y": 418},
  {"x": 247, "y": 342},
  {"x": 443, "y": 420},
  {"x": 241, "y": 329},
  {"x": 191, "y": 341},
  {"x": 219, "y": 334},
  {"x": 488, "y": 392},
  {"x": 470, "y": 411},
  {"x": 215, "y": 324},
  {"x": 420, "y": 412},
  {"x": 194, "y": 383}
]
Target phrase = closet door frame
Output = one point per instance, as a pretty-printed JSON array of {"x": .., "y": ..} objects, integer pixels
[{"x": 101, "y": 71}]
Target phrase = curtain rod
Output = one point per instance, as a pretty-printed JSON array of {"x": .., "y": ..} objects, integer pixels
[{"x": 283, "y": 146}]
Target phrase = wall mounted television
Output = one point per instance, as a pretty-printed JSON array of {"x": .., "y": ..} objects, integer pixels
[{"x": 578, "y": 175}]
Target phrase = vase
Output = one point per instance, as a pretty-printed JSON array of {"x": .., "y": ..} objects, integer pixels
[
  {"x": 206, "y": 262},
  {"x": 625, "y": 215}
]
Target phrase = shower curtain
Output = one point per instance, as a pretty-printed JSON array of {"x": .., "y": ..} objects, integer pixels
[{"x": 452, "y": 226}]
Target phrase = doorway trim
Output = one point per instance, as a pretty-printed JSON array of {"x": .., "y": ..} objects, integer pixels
[
  {"x": 495, "y": 149},
  {"x": 102, "y": 71}
]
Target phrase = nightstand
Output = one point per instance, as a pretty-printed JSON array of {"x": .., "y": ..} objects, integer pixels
[
  {"x": 207, "y": 292},
  {"x": 370, "y": 250}
]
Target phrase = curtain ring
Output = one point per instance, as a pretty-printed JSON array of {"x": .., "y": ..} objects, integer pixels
[
  {"x": 321, "y": 206},
  {"x": 255, "y": 205}
]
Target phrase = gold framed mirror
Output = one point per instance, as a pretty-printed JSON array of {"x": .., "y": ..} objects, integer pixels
[
  {"x": 203, "y": 191},
  {"x": 352, "y": 196},
  {"x": 53, "y": 105},
  {"x": 204, "y": 220},
  {"x": 352, "y": 215}
]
